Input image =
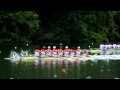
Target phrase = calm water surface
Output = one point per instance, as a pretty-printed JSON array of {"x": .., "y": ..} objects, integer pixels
[
  {"x": 60, "y": 69},
  {"x": 57, "y": 69}
]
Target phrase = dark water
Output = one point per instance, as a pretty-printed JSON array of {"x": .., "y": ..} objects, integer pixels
[
  {"x": 57, "y": 69},
  {"x": 60, "y": 69}
]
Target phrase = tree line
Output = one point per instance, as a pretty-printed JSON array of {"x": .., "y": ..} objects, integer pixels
[{"x": 62, "y": 27}]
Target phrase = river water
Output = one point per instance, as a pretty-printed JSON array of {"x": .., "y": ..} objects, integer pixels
[{"x": 57, "y": 69}]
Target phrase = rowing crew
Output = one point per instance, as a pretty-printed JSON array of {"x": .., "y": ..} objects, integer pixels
[
  {"x": 109, "y": 46},
  {"x": 59, "y": 52}
]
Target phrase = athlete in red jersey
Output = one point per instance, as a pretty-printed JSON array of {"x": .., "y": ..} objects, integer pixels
[
  {"x": 66, "y": 51},
  {"x": 54, "y": 51},
  {"x": 49, "y": 52},
  {"x": 37, "y": 52},
  {"x": 60, "y": 51},
  {"x": 72, "y": 52},
  {"x": 43, "y": 51},
  {"x": 78, "y": 51}
]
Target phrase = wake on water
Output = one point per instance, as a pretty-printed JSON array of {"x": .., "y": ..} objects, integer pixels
[{"x": 16, "y": 56}]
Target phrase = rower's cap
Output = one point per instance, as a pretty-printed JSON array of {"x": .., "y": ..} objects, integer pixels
[
  {"x": 54, "y": 46},
  {"x": 78, "y": 46},
  {"x": 44, "y": 47},
  {"x": 66, "y": 46},
  {"x": 49, "y": 47}
]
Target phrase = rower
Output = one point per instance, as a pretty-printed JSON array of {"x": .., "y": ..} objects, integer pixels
[
  {"x": 105, "y": 47},
  {"x": 48, "y": 52},
  {"x": 110, "y": 46},
  {"x": 43, "y": 51},
  {"x": 72, "y": 52},
  {"x": 60, "y": 52},
  {"x": 114, "y": 46},
  {"x": 78, "y": 51},
  {"x": 85, "y": 53},
  {"x": 102, "y": 46},
  {"x": 37, "y": 52},
  {"x": 118, "y": 46},
  {"x": 66, "y": 51},
  {"x": 54, "y": 52}
]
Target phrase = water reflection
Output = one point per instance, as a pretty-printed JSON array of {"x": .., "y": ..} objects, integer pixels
[{"x": 60, "y": 69}]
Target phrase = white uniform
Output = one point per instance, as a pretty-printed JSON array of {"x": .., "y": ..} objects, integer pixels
[
  {"x": 114, "y": 46},
  {"x": 118, "y": 46},
  {"x": 106, "y": 47},
  {"x": 101, "y": 47},
  {"x": 110, "y": 46}
]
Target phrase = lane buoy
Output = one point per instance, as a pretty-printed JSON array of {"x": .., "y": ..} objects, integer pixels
[
  {"x": 63, "y": 70},
  {"x": 26, "y": 44},
  {"x": 16, "y": 62},
  {"x": 74, "y": 60},
  {"x": 15, "y": 47}
]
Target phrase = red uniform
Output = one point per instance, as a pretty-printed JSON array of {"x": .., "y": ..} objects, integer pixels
[{"x": 37, "y": 50}]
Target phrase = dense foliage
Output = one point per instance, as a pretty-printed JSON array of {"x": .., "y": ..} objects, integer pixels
[
  {"x": 68, "y": 27},
  {"x": 88, "y": 26},
  {"x": 18, "y": 26}
]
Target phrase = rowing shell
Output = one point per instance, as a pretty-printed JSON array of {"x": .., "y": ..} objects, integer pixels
[
  {"x": 90, "y": 57},
  {"x": 98, "y": 51},
  {"x": 48, "y": 58}
]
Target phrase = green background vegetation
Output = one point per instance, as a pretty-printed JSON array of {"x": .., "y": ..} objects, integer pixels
[{"x": 66, "y": 27}]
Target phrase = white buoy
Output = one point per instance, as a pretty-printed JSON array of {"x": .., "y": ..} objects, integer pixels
[
  {"x": 89, "y": 46},
  {"x": 60, "y": 43},
  {"x": 11, "y": 78},
  {"x": 26, "y": 44},
  {"x": 15, "y": 47},
  {"x": 55, "y": 75},
  {"x": 92, "y": 43},
  {"x": 0, "y": 51}
]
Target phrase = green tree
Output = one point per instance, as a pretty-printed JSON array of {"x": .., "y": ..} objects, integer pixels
[
  {"x": 18, "y": 26},
  {"x": 88, "y": 26}
]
